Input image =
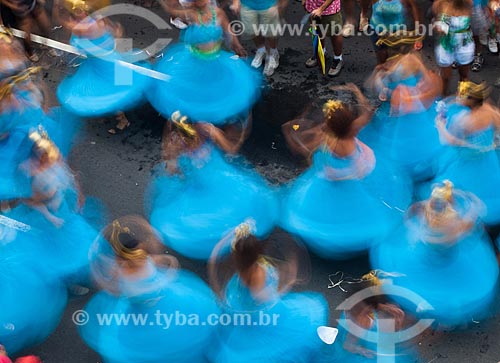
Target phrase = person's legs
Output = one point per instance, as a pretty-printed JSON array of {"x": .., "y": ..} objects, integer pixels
[
  {"x": 364, "y": 16},
  {"x": 463, "y": 72},
  {"x": 445, "y": 73},
  {"x": 337, "y": 40},
  {"x": 271, "y": 17}
]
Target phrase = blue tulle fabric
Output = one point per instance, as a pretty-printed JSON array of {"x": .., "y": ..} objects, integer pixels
[
  {"x": 409, "y": 140},
  {"x": 291, "y": 337},
  {"x": 160, "y": 294},
  {"x": 15, "y": 146},
  {"x": 475, "y": 167},
  {"x": 15, "y": 149},
  {"x": 337, "y": 352},
  {"x": 101, "y": 86},
  {"x": 32, "y": 302},
  {"x": 194, "y": 210},
  {"x": 213, "y": 88},
  {"x": 68, "y": 245},
  {"x": 458, "y": 281},
  {"x": 327, "y": 214}
]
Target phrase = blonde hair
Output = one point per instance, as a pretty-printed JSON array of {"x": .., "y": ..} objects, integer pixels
[
  {"x": 126, "y": 253},
  {"x": 42, "y": 142}
]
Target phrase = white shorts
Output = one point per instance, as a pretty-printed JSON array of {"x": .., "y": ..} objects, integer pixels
[
  {"x": 260, "y": 22},
  {"x": 462, "y": 54}
]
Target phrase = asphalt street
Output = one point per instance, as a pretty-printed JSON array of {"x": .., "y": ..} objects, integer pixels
[{"x": 116, "y": 169}]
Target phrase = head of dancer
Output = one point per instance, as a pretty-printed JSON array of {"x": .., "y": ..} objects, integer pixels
[
  {"x": 246, "y": 250},
  {"x": 79, "y": 9},
  {"x": 179, "y": 137},
  {"x": 339, "y": 119},
  {"x": 126, "y": 239},
  {"x": 439, "y": 211},
  {"x": 473, "y": 94},
  {"x": 363, "y": 312},
  {"x": 44, "y": 151}
]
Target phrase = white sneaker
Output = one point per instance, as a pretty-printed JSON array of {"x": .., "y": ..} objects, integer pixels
[
  {"x": 259, "y": 58},
  {"x": 492, "y": 45},
  {"x": 272, "y": 62}
]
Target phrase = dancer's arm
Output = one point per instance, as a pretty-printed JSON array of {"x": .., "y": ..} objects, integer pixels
[{"x": 235, "y": 43}]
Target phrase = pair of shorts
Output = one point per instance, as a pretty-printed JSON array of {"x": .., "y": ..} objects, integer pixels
[
  {"x": 329, "y": 25},
  {"x": 462, "y": 54},
  {"x": 265, "y": 23}
]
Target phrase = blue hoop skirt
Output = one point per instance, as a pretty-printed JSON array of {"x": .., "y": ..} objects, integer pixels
[
  {"x": 32, "y": 302},
  {"x": 215, "y": 88},
  {"x": 195, "y": 210},
  {"x": 101, "y": 86},
  {"x": 459, "y": 282},
  {"x": 339, "y": 218},
  {"x": 154, "y": 342}
]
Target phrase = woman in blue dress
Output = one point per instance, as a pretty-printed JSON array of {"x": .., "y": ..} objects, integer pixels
[
  {"x": 198, "y": 194},
  {"x": 101, "y": 85},
  {"x": 55, "y": 208},
  {"x": 279, "y": 326},
  {"x": 467, "y": 125},
  {"x": 443, "y": 254},
  {"x": 138, "y": 279},
  {"x": 207, "y": 84},
  {"x": 347, "y": 186},
  {"x": 32, "y": 301},
  {"x": 22, "y": 107},
  {"x": 403, "y": 127},
  {"x": 371, "y": 328},
  {"x": 23, "y": 100}
]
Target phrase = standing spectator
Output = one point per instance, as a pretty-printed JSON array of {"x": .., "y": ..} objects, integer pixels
[
  {"x": 327, "y": 16},
  {"x": 494, "y": 8},
  {"x": 349, "y": 28},
  {"x": 389, "y": 17},
  {"x": 261, "y": 21},
  {"x": 479, "y": 27},
  {"x": 455, "y": 43}
]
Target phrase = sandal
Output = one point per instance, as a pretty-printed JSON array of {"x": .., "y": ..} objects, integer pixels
[{"x": 122, "y": 125}]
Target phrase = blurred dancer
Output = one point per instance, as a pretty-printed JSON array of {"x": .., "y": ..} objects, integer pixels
[
  {"x": 137, "y": 277},
  {"x": 455, "y": 43},
  {"x": 467, "y": 124},
  {"x": 54, "y": 208},
  {"x": 33, "y": 301},
  {"x": 198, "y": 195},
  {"x": 346, "y": 186},
  {"x": 257, "y": 290},
  {"x": 403, "y": 128},
  {"x": 101, "y": 86},
  {"x": 369, "y": 325},
  {"x": 437, "y": 253},
  {"x": 22, "y": 107},
  {"x": 226, "y": 87}
]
